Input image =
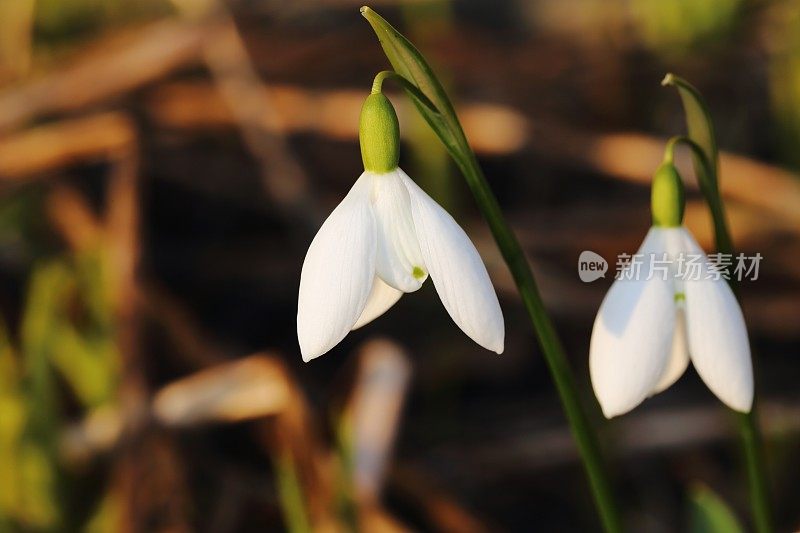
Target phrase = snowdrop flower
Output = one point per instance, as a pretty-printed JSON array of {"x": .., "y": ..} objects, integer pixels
[
  {"x": 384, "y": 239},
  {"x": 647, "y": 330}
]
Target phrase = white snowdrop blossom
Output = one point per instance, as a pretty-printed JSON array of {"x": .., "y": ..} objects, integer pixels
[
  {"x": 648, "y": 328},
  {"x": 384, "y": 239}
]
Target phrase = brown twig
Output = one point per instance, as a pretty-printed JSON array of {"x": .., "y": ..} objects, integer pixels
[
  {"x": 98, "y": 137},
  {"x": 73, "y": 218},
  {"x": 109, "y": 68},
  {"x": 250, "y": 102},
  {"x": 494, "y": 130}
]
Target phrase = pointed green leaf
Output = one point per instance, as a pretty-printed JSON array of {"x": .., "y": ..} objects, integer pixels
[
  {"x": 704, "y": 155},
  {"x": 409, "y": 63},
  {"x": 699, "y": 125},
  {"x": 710, "y": 514}
]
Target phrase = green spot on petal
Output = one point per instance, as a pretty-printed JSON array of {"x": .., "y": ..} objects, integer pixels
[
  {"x": 418, "y": 273},
  {"x": 680, "y": 297}
]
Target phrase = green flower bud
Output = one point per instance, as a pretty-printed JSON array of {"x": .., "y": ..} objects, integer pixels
[
  {"x": 379, "y": 134},
  {"x": 667, "y": 198}
]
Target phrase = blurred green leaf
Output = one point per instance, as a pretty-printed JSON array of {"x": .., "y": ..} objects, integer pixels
[
  {"x": 784, "y": 80},
  {"x": 37, "y": 480},
  {"x": 346, "y": 505},
  {"x": 676, "y": 27},
  {"x": 95, "y": 287},
  {"x": 9, "y": 367},
  {"x": 106, "y": 517},
  {"x": 710, "y": 514},
  {"x": 85, "y": 351},
  {"x": 88, "y": 367},
  {"x": 44, "y": 310},
  {"x": 23, "y": 231},
  {"x": 290, "y": 494},
  {"x": 59, "y": 21},
  {"x": 66, "y": 327},
  {"x": 12, "y": 425}
]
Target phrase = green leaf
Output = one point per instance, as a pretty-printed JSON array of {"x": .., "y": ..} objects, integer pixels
[
  {"x": 45, "y": 307},
  {"x": 409, "y": 63},
  {"x": 699, "y": 125},
  {"x": 37, "y": 506},
  {"x": 290, "y": 495},
  {"x": 107, "y": 516},
  {"x": 86, "y": 364},
  {"x": 706, "y": 159},
  {"x": 710, "y": 514}
]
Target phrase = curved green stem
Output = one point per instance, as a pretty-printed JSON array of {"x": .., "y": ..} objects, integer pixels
[
  {"x": 432, "y": 102},
  {"x": 377, "y": 86},
  {"x": 709, "y": 189},
  {"x": 702, "y": 142}
]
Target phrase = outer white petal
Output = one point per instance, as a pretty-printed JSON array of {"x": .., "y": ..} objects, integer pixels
[
  {"x": 679, "y": 355},
  {"x": 398, "y": 249},
  {"x": 381, "y": 298},
  {"x": 718, "y": 342},
  {"x": 337, "y": 274},
  {"x": 457, "y": 271},
  {"x": 632, "y": 335}
]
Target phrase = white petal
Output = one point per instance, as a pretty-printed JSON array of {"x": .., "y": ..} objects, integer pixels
[
  {"x": 679, "y": 355},
  {"x": 718, "y": 342},
  {"x": 337, "y": 274},
  {"x": 632, "y": 335},
  {"x": 399, "y": 257},
  {"x": 457, "y": 271},
  {"x": 381, "y": 298}
]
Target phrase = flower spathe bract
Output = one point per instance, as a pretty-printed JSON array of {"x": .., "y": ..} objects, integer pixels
[
  {"x": 648, "y": 328},
  {"x": 384, "y": 239}
]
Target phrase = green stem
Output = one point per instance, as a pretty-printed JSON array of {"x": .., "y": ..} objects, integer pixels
[
  {"x": 584, "y": 435},
  {"x": 709, "y": 188},
  {"x": 377, "y": 83},
  {"x": 588, "y": 445},
  {"x": 753, "y": 445},
  {"x": 747, "y": 423},
  {"x": 433, "y": 104},
  {"x": 377, "y": 87}
]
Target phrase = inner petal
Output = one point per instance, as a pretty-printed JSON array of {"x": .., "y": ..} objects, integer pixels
[
  {"x": 399, "y": 260},
  {"x": 679, "y": 355}
]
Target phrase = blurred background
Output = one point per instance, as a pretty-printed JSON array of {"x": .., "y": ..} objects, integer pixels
[{"x": 164, "y": 165}]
